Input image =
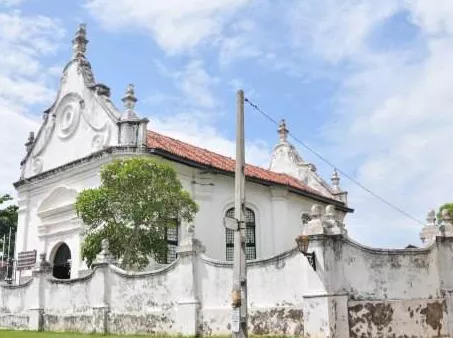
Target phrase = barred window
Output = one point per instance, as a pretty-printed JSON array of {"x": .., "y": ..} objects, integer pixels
[
  {"x": 250, "y": 246},
  {"x": 168, "y": 255}
]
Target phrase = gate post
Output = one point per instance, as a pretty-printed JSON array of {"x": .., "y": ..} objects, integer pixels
[
  {"x": 187, "y": 311},
  {"x": 36, "y": 311},
  {"x": 101, "y": 295}
]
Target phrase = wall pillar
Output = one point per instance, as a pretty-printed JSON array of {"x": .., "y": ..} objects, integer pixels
[
  {"x": 279, "y": 219},
  {"x": 36, "y": 296},
  {"x": 188, "y": 306},
  {"x": 443, "y": 250},
  {"x": 101, "y": 297},
  {"x": 325, "y": 303}
]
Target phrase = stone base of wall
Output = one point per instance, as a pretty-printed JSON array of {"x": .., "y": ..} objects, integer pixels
[
  {"x": 141, "y": 323},
  {"x": 262, "y": 321},
  {"x": 15, "y": 321},
  {"x": 79, "y": 322},
  {"x": 397, "y": 318}
]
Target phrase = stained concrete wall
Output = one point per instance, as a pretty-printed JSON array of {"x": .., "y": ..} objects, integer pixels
[{"x": 355, "y": 291}]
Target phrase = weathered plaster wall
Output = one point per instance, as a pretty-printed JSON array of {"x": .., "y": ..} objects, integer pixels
[
  {"x": 145, "y": 303},
  {"x": 68, "y": 306},
  {"x": 274, "y": 295},
  {"x": 398, "y": 318},
  {"x": 14, "y": 306},
  {"x": 354, "y": 292},
  {"x": 392, "y": 293},
  {"x": 384, "y": 274}
]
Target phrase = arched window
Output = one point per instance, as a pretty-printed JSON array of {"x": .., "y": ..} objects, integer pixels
[
  {"x": 250, "y": 246},
  {"x": 62, "y": 262},
  {"x": 170, "y": 235}
]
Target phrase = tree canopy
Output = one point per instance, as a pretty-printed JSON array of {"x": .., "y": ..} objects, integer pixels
[
  {"x": 137, "y": 200},
  {"x": 449, "y": 207},
  {"x": 8, "y": 220}
]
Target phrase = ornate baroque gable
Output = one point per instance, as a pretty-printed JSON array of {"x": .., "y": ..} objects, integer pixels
[
  {"x": 81, "y": 121},
  {"x": 286, "y": 159}
]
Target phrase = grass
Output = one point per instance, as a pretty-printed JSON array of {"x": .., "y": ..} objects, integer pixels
[{"x": 34, "y": 334}]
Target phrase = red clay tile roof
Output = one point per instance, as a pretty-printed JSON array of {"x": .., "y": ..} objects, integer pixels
[{"x": 217, "y": 161}]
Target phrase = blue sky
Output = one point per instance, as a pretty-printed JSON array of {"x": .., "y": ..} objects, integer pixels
[{"x": 367, "y": 84}]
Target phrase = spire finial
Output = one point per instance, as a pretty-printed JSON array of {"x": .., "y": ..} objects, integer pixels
[
  {"x": 31, "y": 139},
  {"x": 79, "y": 43},
  {"x": 129, "y": 100},
  {"x": 283, "y": 131},
  {"x": 335, "y": 181}
]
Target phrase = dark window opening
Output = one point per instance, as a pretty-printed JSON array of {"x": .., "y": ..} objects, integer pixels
[
  {"x": 62, "y": 263},
  {"x": 168, "y": 253},
  {"x": 250, "y": 244}
]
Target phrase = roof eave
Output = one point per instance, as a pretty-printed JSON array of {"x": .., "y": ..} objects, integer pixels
[{"x": 170, "y": 156}]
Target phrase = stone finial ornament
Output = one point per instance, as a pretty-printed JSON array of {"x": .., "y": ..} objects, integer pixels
[
  {"x": 331, "y": 222},
  {"x": 43, "y": 263},
  {"x": 315, "y": 211},
  {"x": 105, "y": 245},
  {"x": 31, "y": 139},
  {"x": 324, "y": 224},
  {"x": 283, "y": 131},
  {"x": 446, "y": 226},
  {"x": 104, "y": 256},
  {"x": 430, "y": 231},
  {"x": 330, "y": 211},
  {"x": 79, "y": 43},
  {"x": 191, "y": 230},
  {"x": 335, "y": 181},
  {"x": 446, "y": 217},
  {"x": 431, "y": 218},
  {"x": 129, "y": 101}
]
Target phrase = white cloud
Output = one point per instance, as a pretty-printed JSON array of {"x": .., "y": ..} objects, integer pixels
[
  {"x": 23, "y": 84},
  {"x": 394, "y": 113},
  {"x": 10, "y": 3},
  {"x": 190, "y": 114},
  {"x": 195, "y": 84},
  {"x": 194, "y": 131},
  {"x": 175, "y": 25}
]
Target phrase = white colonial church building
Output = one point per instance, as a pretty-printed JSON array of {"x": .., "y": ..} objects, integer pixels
[
  {"x": 328, "y": 286},
  {"x": 83, "y": 130}
]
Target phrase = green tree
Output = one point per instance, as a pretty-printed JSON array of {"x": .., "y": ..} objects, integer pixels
[
  {"x": 449, "y": 207},
  {"x": 8, "y": 220},
  {"x": 138, "y": 198}
]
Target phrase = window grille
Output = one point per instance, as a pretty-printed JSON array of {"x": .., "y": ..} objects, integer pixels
[
  {"x": 250, "y": 246},
  {"x": 170, "y": 235}
]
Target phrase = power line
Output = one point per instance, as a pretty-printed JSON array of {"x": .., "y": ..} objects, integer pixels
[{"x": 334, "y": 166}]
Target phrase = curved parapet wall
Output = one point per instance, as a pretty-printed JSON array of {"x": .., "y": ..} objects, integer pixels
[
  {"x": 370, "y": 273},
  {"x": 143, "y": 274},
  {"x": 252, "y": 263},
  {"x": 274, "y": 294},
  {"x": 355, "y": 291},
  {"x": 391, "y": 292},
  {"x": 15, "y": 300}
]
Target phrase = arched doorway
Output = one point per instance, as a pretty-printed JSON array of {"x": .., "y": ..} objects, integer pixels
[{"x": 62, "y": 262}]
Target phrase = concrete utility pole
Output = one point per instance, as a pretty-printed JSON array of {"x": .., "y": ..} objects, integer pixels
[{"x": 239, "y": 295}]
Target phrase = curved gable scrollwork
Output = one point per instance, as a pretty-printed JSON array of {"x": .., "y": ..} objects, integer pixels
[{"x": 68, "y": 114}]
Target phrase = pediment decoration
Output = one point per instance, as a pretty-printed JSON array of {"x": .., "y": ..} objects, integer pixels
[
  {"x": 68, "y": 112},
  {"x": 60, "y": 200}
]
